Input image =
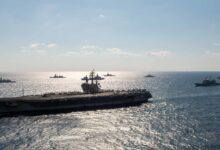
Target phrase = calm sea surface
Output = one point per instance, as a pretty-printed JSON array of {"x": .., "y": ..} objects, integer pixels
[{"x": 179, "y": 116}]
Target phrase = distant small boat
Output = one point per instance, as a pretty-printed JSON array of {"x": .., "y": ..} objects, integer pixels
[
  {"x": 6, "y": 80},
  {"x": 207, "y": 82},
  {"x": 58, "y": 76},
  {"x": 109, "y": 75},
  {"x": 97, "y": 77},
  {"x": 149, "y": 76}
]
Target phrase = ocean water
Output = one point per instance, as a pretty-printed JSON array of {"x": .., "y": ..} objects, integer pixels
[{"x": 179, "y": 116}]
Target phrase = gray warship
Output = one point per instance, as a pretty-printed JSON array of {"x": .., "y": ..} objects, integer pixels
[
  {"x": 208, "y": 82},
  {"x": 57, "y": 76},
  {"x": 92, "y": 98},
  {"x": 149, "y": 76},
  {"x": 2, "y": 80},
  {"x": 109, "y": 75}
]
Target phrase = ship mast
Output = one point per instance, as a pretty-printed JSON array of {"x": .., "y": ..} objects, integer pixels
[{"x": 91, "y": 76}]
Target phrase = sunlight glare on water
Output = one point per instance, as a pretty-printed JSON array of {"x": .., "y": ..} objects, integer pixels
[{"x": 180, "y": 116}]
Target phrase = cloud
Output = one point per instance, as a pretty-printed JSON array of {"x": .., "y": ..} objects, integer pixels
[
  {"x": 71, "y": 53},
  {"x": 37, "y": 51},
  {"x": 58, "y": 15},
  {"x": 36, "y": 45},
  {"x": 40, "y": 45},
  {"x": 89, "y": 47},
  {"x": 162, "y": 53},
  {"x": 12, "y": 60},
  {"x": 92, "y": 49},
  {"x": 68, "y": 53},
  {"x": 52, "y": 45},
  {"x": 83, "y": 50},
  {"x": 212, "y": 53},
  {"x": 23, "y": 50},
  {"x": 96, "y": 50},
  {"x": 23, "y": 47},
  {"x": 115, "y": 50},
  {"x": 216, "y": 44},
  {"x": 40, "y": 51},
  {"x": 101, "y": 16},
  {"x": 37, "y": 48},
  {"x": 119, "y": 52},
  {"x": 87, "y": 52}
]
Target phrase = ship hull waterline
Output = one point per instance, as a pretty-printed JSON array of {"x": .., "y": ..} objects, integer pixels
[
  {"x": 29, "y": 107},
  {"x": 206, "y": 85}
]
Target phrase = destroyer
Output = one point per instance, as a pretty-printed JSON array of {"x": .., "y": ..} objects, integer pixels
[
  {"x": 92, "y": 98},
  {"x": 6, "y": 80},
  {"x": 208, "y": 82},
  {"x": 109, "y": 75},
  {"x": 58, "y": 76},
  {"x": 149, "y": 76}
]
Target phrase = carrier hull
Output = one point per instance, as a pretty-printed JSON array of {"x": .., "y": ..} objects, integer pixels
[{"x": 50, "y": 104}]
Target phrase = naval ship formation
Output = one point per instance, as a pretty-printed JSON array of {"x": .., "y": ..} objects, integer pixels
[{"x": 92, "y": 98}]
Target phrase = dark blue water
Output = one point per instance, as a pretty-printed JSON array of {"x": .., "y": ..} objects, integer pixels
[{"x": 180, "y": 116}]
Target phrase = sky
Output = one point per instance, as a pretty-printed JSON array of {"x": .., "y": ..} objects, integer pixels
[{"x": 109, "y": 35}]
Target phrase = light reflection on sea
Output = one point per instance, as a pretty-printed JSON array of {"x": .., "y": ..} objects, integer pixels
[{"x": 179, "y": 116}]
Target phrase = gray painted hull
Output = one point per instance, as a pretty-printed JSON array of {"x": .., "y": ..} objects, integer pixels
[{"x": 35, "y": 105}]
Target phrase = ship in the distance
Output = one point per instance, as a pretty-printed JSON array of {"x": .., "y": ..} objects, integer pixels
[
  {"x": 149, "y": 76},
  {"x": 208, "y": 82},
  {"x": 57, "y": 76},
  {"x": 2, "y": 80},
  {"x": 109, "y": 75}
]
